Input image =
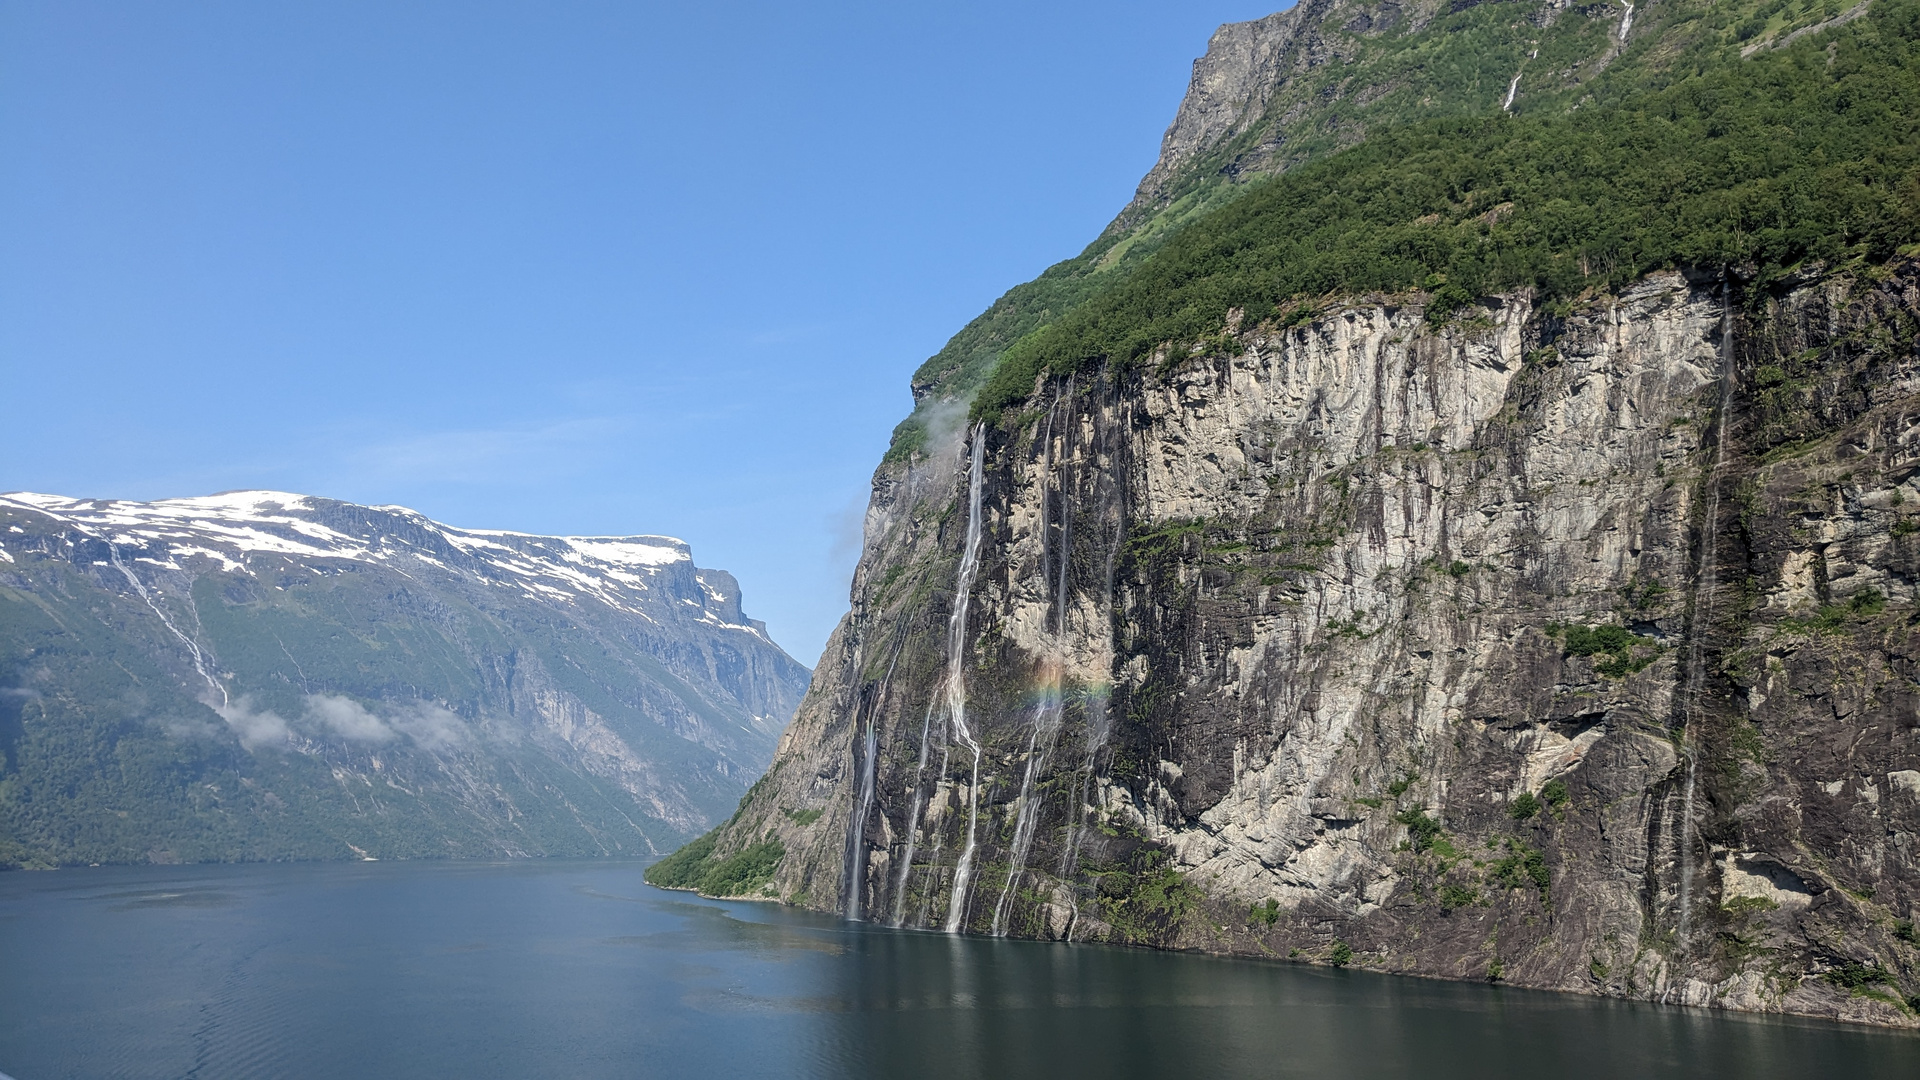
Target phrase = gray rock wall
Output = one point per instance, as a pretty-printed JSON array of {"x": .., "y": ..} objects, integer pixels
[{"x": 1567, "y": 649}]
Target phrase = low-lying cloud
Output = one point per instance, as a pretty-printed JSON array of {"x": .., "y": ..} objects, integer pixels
[
  {"x": 430, "y": 726},
  {"x": 255, "y": 727},
  {"x": 347, "y": 719},
  {"x": 333, "y": 717},
  {"x": 189, "y": 727}
]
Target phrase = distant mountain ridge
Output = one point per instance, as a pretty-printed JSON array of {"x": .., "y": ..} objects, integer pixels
[{"x": 275, "y": 675}]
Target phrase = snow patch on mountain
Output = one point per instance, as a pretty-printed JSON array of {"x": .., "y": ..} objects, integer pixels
[{"x": 251, "y": 532}]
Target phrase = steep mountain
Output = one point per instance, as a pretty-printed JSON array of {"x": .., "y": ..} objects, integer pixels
[
  {"x": 1527, "y": 127},
  {"x": 1461, "y": 519},
  {"x": 263, "y": 675}
]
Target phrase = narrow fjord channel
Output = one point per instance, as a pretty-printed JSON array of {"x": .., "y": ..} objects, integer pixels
[{"x": 549, "y": 968}]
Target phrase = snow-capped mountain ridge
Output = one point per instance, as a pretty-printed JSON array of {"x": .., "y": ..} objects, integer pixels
[
  {"x": 278, "y": 675},
  {"x": 230, "y": 528}
]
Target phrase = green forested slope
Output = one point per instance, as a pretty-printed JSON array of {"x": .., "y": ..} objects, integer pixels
[
  {"x": 1706, "y": 140},
  {"x": 1810, "y": 152}
]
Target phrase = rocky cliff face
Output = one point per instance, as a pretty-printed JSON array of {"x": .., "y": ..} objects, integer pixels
[
  {"x": 274, "y": 675},
  {"x": 1570, "y": 649},
  {"x": 1569, "y": 644}
]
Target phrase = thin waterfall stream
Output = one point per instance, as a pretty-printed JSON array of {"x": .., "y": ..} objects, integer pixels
[
  {"x": 856, "y": 825},
  {"x": 957, "y": 677},
  {"x": 1051, "y": 708},
  {"x": 913, "y": 817},
  {"x": 856, "y": 854},
  {"x": 199, "y": 658},
  {"x": 939, "y": 839},
  {"x": 1097, "y": 724},
  {"x": 1706, "y": 584}
]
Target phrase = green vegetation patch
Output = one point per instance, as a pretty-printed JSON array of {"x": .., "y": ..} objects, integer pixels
[
  {"x": 1833, "y": 618},
  {"x": 1142, "y": 898},
  {"x": 1522, "y": 867},
  {"x": 1164, "y": 540},
  {"x": 1423, "y": 831},
  {"x": 1857, "y": 977},
  {"x": 684, "y": 868},
  {"x": 1264, "y": 914},
  {"x": 1555, "y": 794},
  {"x": 1740, "y": 907},
  {"x": 743, "y": 873},
  {"x": 1621, "y": 652},
  {"x": 1802, "y": 153}
]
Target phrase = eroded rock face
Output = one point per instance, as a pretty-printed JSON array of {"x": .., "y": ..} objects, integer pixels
[
  {"x": 1571, "y": 649},
  {"x": 1231, "y": 84}
]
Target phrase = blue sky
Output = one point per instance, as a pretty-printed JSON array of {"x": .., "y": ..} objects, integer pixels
[{"x": 584, "y": 268}]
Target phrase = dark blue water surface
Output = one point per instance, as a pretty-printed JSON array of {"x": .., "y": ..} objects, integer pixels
[{"x": 578, "y": 970}]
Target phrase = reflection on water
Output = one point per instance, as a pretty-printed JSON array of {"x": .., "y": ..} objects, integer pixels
[
  {"x": 190, "y": 897},
  {"x": 576, "y": 969}
]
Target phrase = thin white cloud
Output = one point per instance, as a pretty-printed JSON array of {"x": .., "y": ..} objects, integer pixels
[{"x": 488, "y": 455}]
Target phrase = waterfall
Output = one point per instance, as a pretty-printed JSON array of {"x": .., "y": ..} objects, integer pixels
[
  {"x": 957, "y": 678},
  {"x": 856, "y": 856},
  {"x": 1512, "y": 89},
  {"x": 1705, "y": 585},
  {"x": 1626, "y": 24},
  {"x": 913, "y": 817},
  {"x": 1051, "y": 708},
  {"x": 1097, "y": 730},
  {"x": 1028, "y": 815},
  {"x": 939, "y": 838},
  {"x": 199, "y": 658},
  {"x": 856, "y": 825},
  {"x": 1097, "y": 723}
]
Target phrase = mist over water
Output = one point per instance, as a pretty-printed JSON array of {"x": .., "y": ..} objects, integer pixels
[{"x": 576, "y": 969}]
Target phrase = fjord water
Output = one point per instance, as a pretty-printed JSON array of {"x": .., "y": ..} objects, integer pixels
[{"x": 577, "y": 969}]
